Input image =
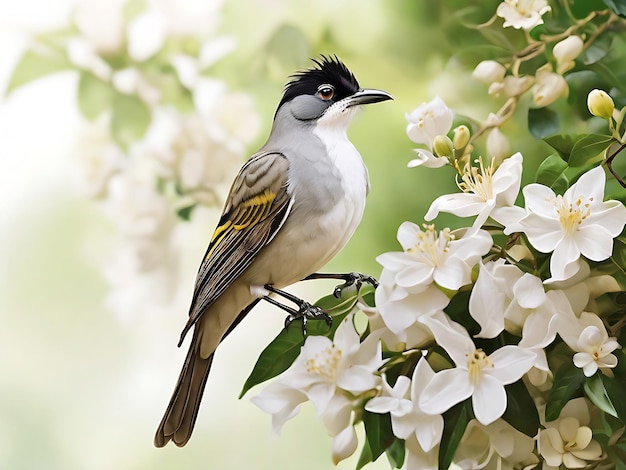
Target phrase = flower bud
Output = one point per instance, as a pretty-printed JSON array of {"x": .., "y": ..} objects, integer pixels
[
  {"x": 600, "y": 103},
  {"x": 498, "y": 146},
  {"x": 549, "y": 86},
  {"x": 489, "y": 71},
  {"x": 443, "y": 147},
  {"x": 515, "y": 86},
  {"x": 461, "y": 137},
  {"x": 566, "y": 51}
]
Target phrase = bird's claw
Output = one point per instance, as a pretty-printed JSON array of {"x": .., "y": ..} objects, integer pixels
[
  {"x": 355, "y": 279},
  {"x": 308, "y": 312}
]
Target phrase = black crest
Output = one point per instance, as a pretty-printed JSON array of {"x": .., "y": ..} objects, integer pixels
[{"x": 328, "y": 70}]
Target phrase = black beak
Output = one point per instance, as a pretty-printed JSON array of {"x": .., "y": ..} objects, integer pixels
[{"x": 367, "y": 96}]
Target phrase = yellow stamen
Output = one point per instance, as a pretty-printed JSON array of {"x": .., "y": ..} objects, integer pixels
[
  {"x": 478, "y": 180},
  {"x": 430, "y": 248},
  {"x": 476, "y": 363},
  {"x": 325, "y": 362},
  {"x": 571, "y": 216}
]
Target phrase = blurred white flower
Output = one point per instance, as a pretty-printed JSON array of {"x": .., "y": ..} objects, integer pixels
[
  {"x": 83, "y": 55},
  {"x": 101, "y": 24},
  {"x": 477, "y": 375},
  {"x": 549, "y": 86},
  {"x": 587, "y": 336},
  {"x": 573, "y": 224},
  {"x": 569, "y": 440},
  {"x": 566, "y": 51},
  {"x": 524, "y": 14},
  {"x": 485, "y": 191},
  {"x": 98, "y": 158},
  {"x": 146, "y": 34},
  {"x": 426, "y": 122},
  {"x": 417, "y": 458},
  {"x": 402, "y": 402},
  {"x": 430, "y": 257}
]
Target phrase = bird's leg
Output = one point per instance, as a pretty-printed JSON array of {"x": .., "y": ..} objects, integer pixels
[
  {"x": 306, "y": 311},
  {"x": 350, "y": 279}
]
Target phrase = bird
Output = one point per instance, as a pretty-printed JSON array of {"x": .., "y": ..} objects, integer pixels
[{"x": 291, "y": 208}]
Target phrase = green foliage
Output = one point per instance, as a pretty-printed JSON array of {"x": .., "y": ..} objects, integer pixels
[
  {"x": 543, "y": 122},
  {"x": 94, "y": 95},
  {"x": 455, "y": 423},
  {"x": 551, "y": 173},
  {"x": 33, "y": 65},
  {"x": 130, "y": 119},
  {"x": 521, "y": 412},
  {"x": 567, "y": 383},
  {"x": 378, "y": 435}
]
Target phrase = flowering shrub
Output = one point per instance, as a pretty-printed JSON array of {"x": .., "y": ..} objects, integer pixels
[
  {"x": 162, "y": 135},
  {"x": 497, "y": 345}
]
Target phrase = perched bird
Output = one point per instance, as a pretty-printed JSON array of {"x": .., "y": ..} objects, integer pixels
[{"x": 294, "y": 204}]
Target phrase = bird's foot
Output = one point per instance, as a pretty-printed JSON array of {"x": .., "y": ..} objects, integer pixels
[{"x": 305, "y": 310}]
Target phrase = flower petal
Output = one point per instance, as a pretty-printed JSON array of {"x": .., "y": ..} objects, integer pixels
[
  {"x": 488, "y": 399},
  {"x": 447, "y": 388}
]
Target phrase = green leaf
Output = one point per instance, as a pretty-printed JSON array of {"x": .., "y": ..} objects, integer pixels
[
  {"x": 615, "y": 391},
  {"x": 619, "y": 252},
  {"x": 521, "y": 412},
  {"x": 562, "y": 143},
  {"x": 455, "y": 421},
  {"x": 551, "y": 173},
  {"x": 542, "y": 122},
  {"x": 130, "y": 120},
  {"x": 598, "y": 49},
  {"x": 184, "y": 213},
  {"x": 618, "y": 6},
  {"x": 396, "y": 453},
  {"x": 589, "y": 149},
  {"x": 94, "y": 95},
  {"x": 285, "y": 348},
  {"x": 567, "y": 382},
  {"x": 598, "y": 395},
  {"x": 33, "y": 65},
  {"x": 378, "y": 432}
]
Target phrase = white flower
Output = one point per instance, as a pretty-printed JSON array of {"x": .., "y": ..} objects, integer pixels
[
  {"x": 573, "y": 224},
  {"x": 549, "y": 86},
  {"x": 426, "y": 122},
  {"x": 569, "y": 440},
  {"x": 430, "y": 257},
  {"x": 587, "y": 336},
  {"x": 101, "y": 24},
  {"x": 498, "y": 443},
  {"x": 407, "y": 419},
  {"x": 477, "y": 375},
  {"x": 401, "y": 310},
  {"x": 566, "y": 51},
  {"x": 524, "y": 14},
  {"x": 515, "y": 86},
  {"x": 485, "y": 191}
]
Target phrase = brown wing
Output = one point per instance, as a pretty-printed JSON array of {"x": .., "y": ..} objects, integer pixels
[{"x": 256, "y": 208}]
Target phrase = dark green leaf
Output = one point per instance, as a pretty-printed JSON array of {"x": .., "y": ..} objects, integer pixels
[
  {"x": 562, "y": 143},
  {"x": 378, "y": 432},
  {"x": 94, "y": 95},
  {"x": 455, "y": 421},
  {"x": 457, "y": 310},
  {"x": 551, "y": 173},
  {"x": 521, "y": 412},
  {"x": 589, "y": 149},
  {"x": 582, "y": 8},
  {"x": 567, "y": 382},
  {"x": 33, "y": 65},
  {"x": 598, "y": 49},
  {"x": 615, "y": 391},
  {"x": 542, "y": 122},
  {"x": 285, "y": 348},
  {"x": 396, "y": 453},
  {"x": 619, "y": 252},
  {"x": 618, "y": 6},
  {"x": 185, "y": 212},
  {"x": 598, "y": 395},
  {"x": 130, "y": 120}
]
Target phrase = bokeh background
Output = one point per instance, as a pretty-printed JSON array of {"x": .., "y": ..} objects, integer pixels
[{"x": 83, "y": 383}]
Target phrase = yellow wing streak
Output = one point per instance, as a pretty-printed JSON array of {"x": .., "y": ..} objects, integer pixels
[{"x": 248, "y": 213}]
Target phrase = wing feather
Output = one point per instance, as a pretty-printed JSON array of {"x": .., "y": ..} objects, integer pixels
[{"x": 256, "y": 208}]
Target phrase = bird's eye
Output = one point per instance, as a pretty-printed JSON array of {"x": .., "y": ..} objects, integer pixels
[{"x": 326, "y": 92}]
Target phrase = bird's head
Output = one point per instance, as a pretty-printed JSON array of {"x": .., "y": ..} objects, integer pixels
[{"x": 328, "y": 90}]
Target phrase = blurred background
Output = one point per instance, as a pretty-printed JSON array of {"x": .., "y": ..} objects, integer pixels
[{"x": 97, "y": 269}]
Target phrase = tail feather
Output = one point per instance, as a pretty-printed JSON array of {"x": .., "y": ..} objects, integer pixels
[{"x": 180, "y": 417}]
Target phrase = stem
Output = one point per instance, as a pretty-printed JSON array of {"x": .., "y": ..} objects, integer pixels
[
  {"x": 609, "y": 164},
  {"x": 504, "y": 113}
]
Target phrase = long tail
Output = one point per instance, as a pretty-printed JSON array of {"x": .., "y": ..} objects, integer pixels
[{"x": 180, "y": 416}]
